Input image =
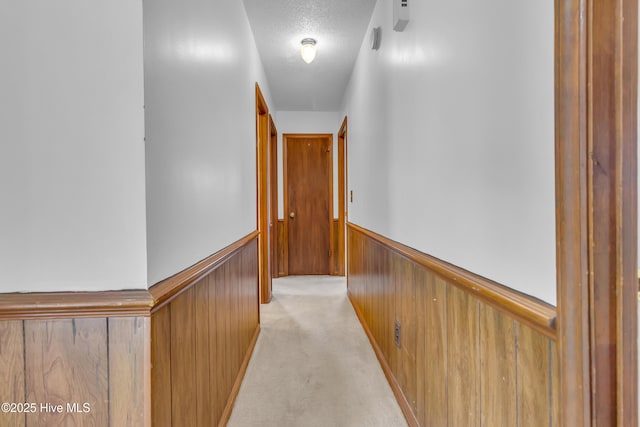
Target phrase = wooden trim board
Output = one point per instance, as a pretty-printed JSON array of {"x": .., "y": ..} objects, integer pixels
[{"x": 536, "y": 314}]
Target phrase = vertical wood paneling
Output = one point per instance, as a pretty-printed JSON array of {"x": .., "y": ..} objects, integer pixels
[
  {"x": 498, "y": 367},
  {"x": 202, "y": 333},
  {"x": 183, "y": 350},
  {"x": 161, "y": 367},
  {"x": 555, "y": 385},
  {"x": 280, "y": 248},
  {"x": 534, "y": 388},
  {"x": 181, "y": 366},
  {"x": 463, "y": 361},
  {"x": 127, "y": 364},
  {"x": 436, "y": 372},
  {"x": 220, "y": 354},
  {"x": 404, "y": 279},
  {"x": 12, "y": 370},
  {"x": 215, "y": 368},
  {"x": 66, "y": 362},
  {"x": 420, "y": 279}
]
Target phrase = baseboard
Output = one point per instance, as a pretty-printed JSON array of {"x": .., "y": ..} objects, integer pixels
[
  {"x": 228, "y": 409},
  {"x": 393, "y": 382}
]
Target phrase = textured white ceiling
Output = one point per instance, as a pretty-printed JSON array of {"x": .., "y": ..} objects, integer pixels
[{"x": 280, "y": 25}]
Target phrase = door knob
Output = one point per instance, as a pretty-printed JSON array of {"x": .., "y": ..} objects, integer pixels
[{"x": 292, "y": 215}]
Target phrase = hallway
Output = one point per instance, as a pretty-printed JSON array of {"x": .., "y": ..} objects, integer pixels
[{"x": 312, "y": 364}]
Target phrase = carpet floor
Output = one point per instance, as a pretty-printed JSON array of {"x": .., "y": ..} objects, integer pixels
[{"x": 313, "y": 364}]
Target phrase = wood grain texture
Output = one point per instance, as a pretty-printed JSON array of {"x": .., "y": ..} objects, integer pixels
[
  {"x": 337, "y": 249},
  {"x": 436, "y": 374},
  {"x": 262, "y": 172},
  {"x": 498, "y": 367},
  {"x": 308, "y": 196},
  {"x": 555, "y": 385},
  {"x": 183, "y": 361},
  {"x": 180, "y": 364},
  {"x": 216, "y": 369},
  {"x": 458, "y": 364},
  {"x": 226, "y": 412},
  {"x": 342, "y": 194},
  {"x": 535, "y": 313},
  {"x": 127, "y": 365},
  {"x": 534, "y": 389},
  {"x": 282, "y": 271},
  {"x": 422, "y": 281},
  {"x": 66, "y": 362},
  {"x": 67, "y": 305},
  {"x": 406, "y": 299},
  {"x": 463, "y": 359},
  {"x": 273, "y": 198},
  {"x": 12, "y": 370},
  {"x": 596, "y": 60},
  {"x": 161, "y": 367},
  {"x": 204, "y": 416}
]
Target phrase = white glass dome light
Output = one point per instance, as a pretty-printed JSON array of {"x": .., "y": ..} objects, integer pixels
[{"x": 308, "y": 50}]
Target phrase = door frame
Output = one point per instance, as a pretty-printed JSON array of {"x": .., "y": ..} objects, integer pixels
[
  {"x": 285, "y": 191},
  {"x": 262, "y": 192},
  {"x": 273, "y": 196},
  {"x": 342, "y": 202},
  {"x": 596, "y": 210}
]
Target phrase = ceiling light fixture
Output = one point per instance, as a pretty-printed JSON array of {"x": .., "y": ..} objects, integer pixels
[{"x": 308, "y": 50}]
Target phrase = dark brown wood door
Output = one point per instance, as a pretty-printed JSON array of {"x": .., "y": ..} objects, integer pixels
[{"x": 308, "y": 207}]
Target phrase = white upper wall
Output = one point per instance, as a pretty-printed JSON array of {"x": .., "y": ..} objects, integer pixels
[
  {"x": 201, "y": 66},
  {"x": 72, "y": 215},
  {"x": 308, "y": 122},
  {"x": 451, "y": 137}
]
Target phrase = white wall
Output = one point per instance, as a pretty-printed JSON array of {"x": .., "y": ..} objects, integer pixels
[
  {"x": 72, "y": 214},
  {"x": 451, "y": 137},
  {"x": 201, "y": 66},
  {"x": 308, "y": 122}
]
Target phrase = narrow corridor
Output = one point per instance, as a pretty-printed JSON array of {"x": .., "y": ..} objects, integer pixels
[{"x": 312, "y": 364}]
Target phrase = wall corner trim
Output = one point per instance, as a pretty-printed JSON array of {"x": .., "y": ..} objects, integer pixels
[{"x": 526, "y": 309}]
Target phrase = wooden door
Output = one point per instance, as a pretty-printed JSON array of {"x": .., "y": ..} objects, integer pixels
[{"x": 308, "y": 202}]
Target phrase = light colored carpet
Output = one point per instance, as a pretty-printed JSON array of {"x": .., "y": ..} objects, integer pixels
[{"x": 313, "y": 365}]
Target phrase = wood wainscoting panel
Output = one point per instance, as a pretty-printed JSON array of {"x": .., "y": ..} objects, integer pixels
[
  {"x": 201, "y": 343},
  {"x": 405, "y": 314},
  {"x": 161, "y": 367},
  {"x": 128, "y": 366},
  {"x": 171, "y": 356},
  {"x": 204, "y": 414},
  {"x": 66, "y": 362},
  {"x": 534, "y": 390},
  {"x": 282, "y": 255},
  {"x": 498, "y": 367},
  {"x": 555, "y": 384},
  {"x": 436, "y": 349},
  {"x": 12, "y": 370},
  {"x": 183, "y": 361},
  {"x": 463, "y": 359}
]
